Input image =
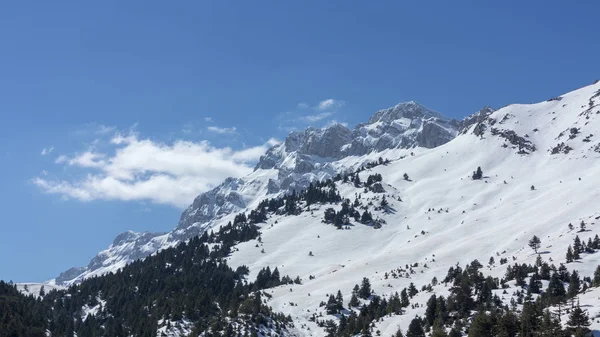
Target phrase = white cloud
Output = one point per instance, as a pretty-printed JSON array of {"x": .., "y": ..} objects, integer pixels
[
  {"x": 146, "y": 170},
  {"x": 330, "y": 104},
  {"x": 334, "y": 122},
  {"x": 322, "y": 110},
  {"x": 103, "y": 129},
  {"x": 85, "y": 159},
  {"x": 208, "y": 119},
  {"x": 315, "y": 118},
  {"x": 47, "y": 150},
  {"x": 219, "y": 130},
  {"x": 94, "y": 129}
]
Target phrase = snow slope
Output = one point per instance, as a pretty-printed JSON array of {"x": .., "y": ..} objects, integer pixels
[
  {"x": 495, "y": 216},
  {"x": 540, "y": 173},
  {"x": 314, "y": 154}
]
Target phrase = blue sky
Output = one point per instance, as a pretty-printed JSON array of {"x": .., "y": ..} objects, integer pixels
[{"x": 114, "y": 114}]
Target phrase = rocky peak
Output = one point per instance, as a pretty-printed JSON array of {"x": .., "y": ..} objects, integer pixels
[
  {"x": 221, "y": 200},
  {"x": 476, "y": 118},
  {"x": 410, "y": 110}
]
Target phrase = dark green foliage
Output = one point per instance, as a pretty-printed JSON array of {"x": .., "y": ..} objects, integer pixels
[
  {"x": 373, "y": 178},
  {"x": 555, "y": 292},
  {"x": 578, "y": 322},
  {"x": 188, "y": 281},
  {"x": 415, "y": 329},
  {"x": 569, "y": 255},
  {"x": 478, "y": 174},
  {"x": 20, "y": 315},
  {"x": 535, "y": 243},
  {"x": 535, "y": 284},
  {"x": 365, "y": 289},
  {"x": 574, "y": 285},
  {"x": 596, "y": 280}
]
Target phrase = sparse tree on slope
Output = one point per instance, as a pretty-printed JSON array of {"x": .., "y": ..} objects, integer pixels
[
  {"x": 579, "y": 322},
  {"x": 535, "y": 243},
  {"x": 478, "y": 174}
]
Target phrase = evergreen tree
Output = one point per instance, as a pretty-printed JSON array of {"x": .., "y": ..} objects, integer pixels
[
  {"x": 596, "y": 280},
  {"x": 478, "y": 174},
  {"x": 412, "y": 290},
  {"x": 332, "y": 305},
  {"x": 404, "y": 301},
  {"x": 579, "y": 321},
  {"x": 339, "y": 300},
  {"x": 353, "y": 300},
  {"x": 569, "y": 254},
  {"x": 535, "y": 243},
  {"x": 550, "y": 326},
  {"x": 366, "y": 217},
  {"x": 574, "y": 284},
  {"x": 556, "y": 289},
  {"x": 415, "y": 328},
  {"x": 481, "y": 326},
  {"x": 535, "y": 284},
  {"x": 365, "y": 289},
  {"x": 577, "y": 248}
]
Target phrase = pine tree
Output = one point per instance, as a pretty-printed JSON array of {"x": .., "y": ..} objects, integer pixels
[
  {"x": 332, "y": 305},
  {"x": 535, "y": 243},
  {"x": 431, "y": 310},
  {"x": 339, "y": 300},
  {"x": 569, "y": 254},
  {"x": 535, "y": 284},
  {"x": 556, "y": 288},
  {"x": 477, "y": 174},
  {"x": 415, "y": 329},
  {"x": 596, "y": 280},
  {"x": 365, "y": 289},
  {"x": 579, "y": 321},
  {"x": 577, "y": 247},
  {"x": 366, "y": 217},
  {"x": 412, "y": 290},
  {"x": 549, "y": 326},
  {"x": 384, "y": 203},
  {"x": 481, "y": 326},
  {"x": 574, "y": 284},
  {"x": 404, "y": 298},
  {"x": 353, "y": 301}
]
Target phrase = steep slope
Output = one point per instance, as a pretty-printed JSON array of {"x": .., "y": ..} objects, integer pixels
[
  {"x": 445, "y": 217},
  {"x": 435, "y": 217},
  {"x": 311, "y": 155}
]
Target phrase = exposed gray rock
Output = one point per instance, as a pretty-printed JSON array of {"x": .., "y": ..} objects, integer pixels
[
  {"x": 272, "y": 186},
  {"x": 219, "y": 201},
  {"x": 69, "y": 274},
  {"x": 525, "y": 146},
  {"x": 476, "y": 118}
]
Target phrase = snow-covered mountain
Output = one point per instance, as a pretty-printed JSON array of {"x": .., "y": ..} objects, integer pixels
[
  {"x": 540, "y": 177},
  {"x": 540, "y": 167},
  {"x": 313, "y": 154}
]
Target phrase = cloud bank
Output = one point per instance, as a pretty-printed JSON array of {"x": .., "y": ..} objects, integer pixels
[{"x": 141, "y": 169}]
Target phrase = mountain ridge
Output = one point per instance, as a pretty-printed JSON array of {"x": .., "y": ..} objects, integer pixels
[{"x": 304, "y": 156}]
